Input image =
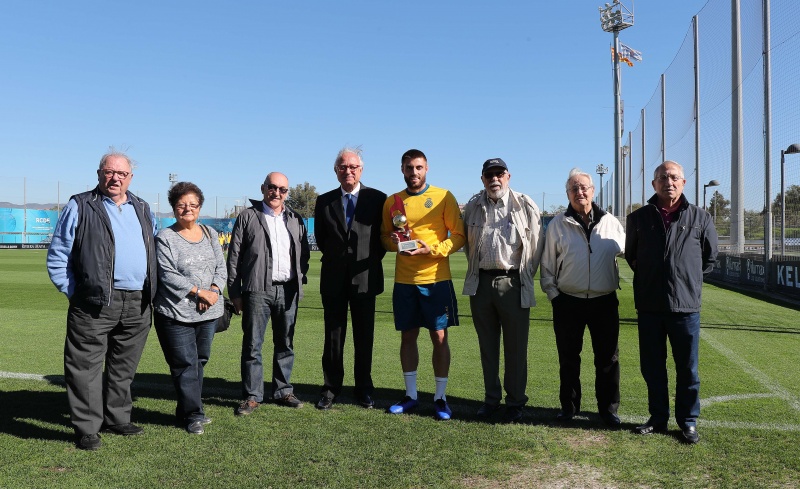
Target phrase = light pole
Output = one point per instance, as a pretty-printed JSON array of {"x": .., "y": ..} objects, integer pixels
[
  {"x": 792, "y": 149},
  {"x": 601, "y": 170},
  {"x": 712, "y": 183},
  {"x": 173, "y": 178},
  {"x": 615, "y": 17}
]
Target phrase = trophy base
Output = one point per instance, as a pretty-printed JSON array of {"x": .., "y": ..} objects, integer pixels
[{"x": 407, "y": 245}]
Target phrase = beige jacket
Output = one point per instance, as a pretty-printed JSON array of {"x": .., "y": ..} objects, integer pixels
[{"x": 528, "y": 222}]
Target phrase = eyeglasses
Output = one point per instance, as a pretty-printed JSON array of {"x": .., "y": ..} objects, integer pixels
[
  {"x": 275, "y": 188},
  {"x": 664, "y": 178},
  {"x": 183, "y": 207},
  {"x": 345, "y": 168},
  {"x": 110, "y": 173},
  {"x": 492, "y": 174},
  {"x": 581, "y": 188}
]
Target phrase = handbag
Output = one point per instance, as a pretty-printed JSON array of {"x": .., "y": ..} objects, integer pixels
[
  {"x": 228, "y": 309},
  {"x": 224, "y": 321}
]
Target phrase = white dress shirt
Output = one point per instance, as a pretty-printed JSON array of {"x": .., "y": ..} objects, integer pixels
[{"x": 280, "y": 244}]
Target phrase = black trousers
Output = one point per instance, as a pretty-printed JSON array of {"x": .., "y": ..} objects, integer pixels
[
  {"x": 571, "y": 315},
  {"x": 362, "y": 312},
  {"x": 101, "y": 353}
]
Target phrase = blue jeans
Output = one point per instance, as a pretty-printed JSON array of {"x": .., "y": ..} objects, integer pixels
[
  {"x": 683, "y": 332},
  {"x": 186, "y": 347},
  {"x": 279, "y": 303}
]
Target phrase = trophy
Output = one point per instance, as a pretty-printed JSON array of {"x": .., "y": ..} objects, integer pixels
[{"x": 403, "y": 233}]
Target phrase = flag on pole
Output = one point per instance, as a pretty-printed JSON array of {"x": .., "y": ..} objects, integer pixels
[
  {"x": 628, "y": 52},
  {"x": 622, "y": 58}
]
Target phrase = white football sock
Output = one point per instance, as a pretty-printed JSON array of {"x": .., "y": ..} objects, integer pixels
[
  {"x": 441, "y": 385},
  {"x": 411, "y": 384}
]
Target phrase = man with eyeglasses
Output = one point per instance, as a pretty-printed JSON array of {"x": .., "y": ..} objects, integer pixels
[
  {"x": 347, "y": 227},
  {"x": 504, "y": 244},
  {"x": 671, "y": 244},
  {"x": 580, "y": 276},
  {"x": 102, "y": 257},
  {"x": 423, "y": 294},
  {"x": 267, "y": 266}
]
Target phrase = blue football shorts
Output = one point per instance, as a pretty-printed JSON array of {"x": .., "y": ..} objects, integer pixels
[{"x": 432, "y": 306}]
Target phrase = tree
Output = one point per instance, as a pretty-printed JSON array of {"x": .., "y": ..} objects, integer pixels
[
  {"x": 555, "y": 210},
  {"x": 753, "y": 224},
  {"x": 719, "y": 207},
  {"x": 792, "y": 216},
  {"x": 302, "y": 199},
  {"x": 635, "y": 206}
]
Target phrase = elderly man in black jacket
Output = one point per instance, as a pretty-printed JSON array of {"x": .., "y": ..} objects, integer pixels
[
  {"x": 670, "y": 245},
  {"x": 347, "y": 226}
]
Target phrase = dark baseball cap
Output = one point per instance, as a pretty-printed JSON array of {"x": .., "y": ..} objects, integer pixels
[{"x": 492, "y": 163}]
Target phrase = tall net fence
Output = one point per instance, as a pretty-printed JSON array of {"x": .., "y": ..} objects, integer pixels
[{"x": 669, "y": 127}]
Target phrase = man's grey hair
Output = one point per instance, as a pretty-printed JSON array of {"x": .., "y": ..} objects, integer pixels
[
  {"x": 348, "y": 149},
  {"x": 661, "y": 167},
  {"x": 113, "y": 152},
  {"x": 576, "y": 172}
]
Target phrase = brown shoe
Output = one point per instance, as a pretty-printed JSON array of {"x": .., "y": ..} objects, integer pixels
[
  {"x": 246, "y": 407},
  {"x": 289, "y": 401}
]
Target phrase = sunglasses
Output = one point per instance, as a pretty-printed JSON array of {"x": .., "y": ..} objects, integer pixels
[
  {"x": 492, "y": 174},
  {"x": 275, "y": 188}
]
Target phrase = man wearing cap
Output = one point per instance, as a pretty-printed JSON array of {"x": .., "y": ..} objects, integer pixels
[{"x": 505, "y": 240}]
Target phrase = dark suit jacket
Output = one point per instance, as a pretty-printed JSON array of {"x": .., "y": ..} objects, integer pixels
[{"x": 354, "y": 257}]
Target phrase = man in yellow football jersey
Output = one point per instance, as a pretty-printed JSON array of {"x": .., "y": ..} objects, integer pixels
[{"x": 423, "y": 293}]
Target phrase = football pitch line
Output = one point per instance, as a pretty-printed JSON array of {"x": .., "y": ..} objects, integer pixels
[{"x": 776, "y": 391}]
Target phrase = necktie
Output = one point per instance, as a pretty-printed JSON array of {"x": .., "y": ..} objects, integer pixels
[{"x": 350, "y": 211}]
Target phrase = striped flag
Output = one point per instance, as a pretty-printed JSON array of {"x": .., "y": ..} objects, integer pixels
[{"x": 628, "y": 52}]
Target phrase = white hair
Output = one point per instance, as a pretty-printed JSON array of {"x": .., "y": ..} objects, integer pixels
[
  {"x": 113, "y": 152},
  {"x": 347, "y": 149},
  {"x": 576, "y": 172}
]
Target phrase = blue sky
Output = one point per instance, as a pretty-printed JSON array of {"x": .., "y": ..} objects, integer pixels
[{"x": 222, "y": 93}]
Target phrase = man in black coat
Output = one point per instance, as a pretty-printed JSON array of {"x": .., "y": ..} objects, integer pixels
[
  {"x": 347, "y": 227},
  {"x": 670, "y": 245}
]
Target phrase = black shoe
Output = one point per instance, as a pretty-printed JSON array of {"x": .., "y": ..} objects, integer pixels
[
  {"x": 246, "y": 407},
  {"x": 195, "y": 427},
  {"x": 289, "y": 400},
  {"x": 563, "y": 417},
  {"x": 650, "y": 428},
  {"x": 513, "y": 414},
  {"x": 611, "y": 420},
  {"x": 88, "y": 442},
  {"x": 324, "y": 403},
  {"x": 126, "y": 429},
  {"x": 487, "y": 410},
  {"x": 365, "y": 401},
  {"x": 690, "y": 435}
]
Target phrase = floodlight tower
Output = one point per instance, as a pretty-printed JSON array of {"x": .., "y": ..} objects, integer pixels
[
  {"x": 173, "y": 178},
  {"x": 602, "y": 170},
  {"x": 613, "y": 18}
]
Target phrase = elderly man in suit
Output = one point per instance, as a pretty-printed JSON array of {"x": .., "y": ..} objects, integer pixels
[{"x": 347, "y": 227}]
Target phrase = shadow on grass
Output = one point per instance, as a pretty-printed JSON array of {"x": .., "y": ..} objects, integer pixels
[
  {"x": 752, "y": 327},
  {"x": 23, "y": 412}
]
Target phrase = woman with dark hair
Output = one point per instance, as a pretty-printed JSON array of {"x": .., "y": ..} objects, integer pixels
[{"x": 191, "y": 274}]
